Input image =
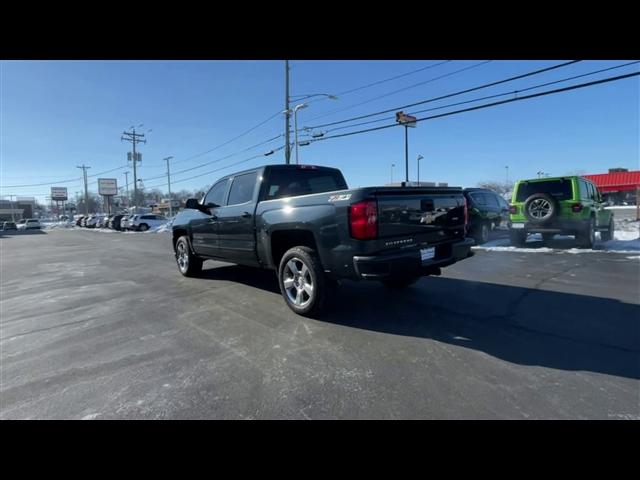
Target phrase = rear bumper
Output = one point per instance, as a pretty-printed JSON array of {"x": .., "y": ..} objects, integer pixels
[
  {"x": 568, "y": 225},
  {"x": 408, "y": 263}
]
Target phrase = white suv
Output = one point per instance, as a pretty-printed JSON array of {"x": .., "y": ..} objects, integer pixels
[
  {"x": 143, "y": 223},
  {"x": 29, "y": 224}
]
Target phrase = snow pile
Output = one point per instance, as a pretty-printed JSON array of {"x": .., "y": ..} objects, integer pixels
[
  {"x": 626, "y": 239},
  {"x": 164, "y": 228},
  {"x": 54, "y": 225}
]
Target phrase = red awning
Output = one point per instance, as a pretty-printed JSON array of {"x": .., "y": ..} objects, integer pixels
[{"x": 616, "y": 182}]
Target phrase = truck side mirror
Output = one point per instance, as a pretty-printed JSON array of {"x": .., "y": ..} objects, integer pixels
[{"x": 193, "y": 204}]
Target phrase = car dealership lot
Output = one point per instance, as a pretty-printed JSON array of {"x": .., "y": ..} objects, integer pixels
[{"x": 104, "y": 326}]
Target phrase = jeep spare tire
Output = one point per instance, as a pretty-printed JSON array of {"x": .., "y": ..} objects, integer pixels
[{"x": 540, "y": 208}]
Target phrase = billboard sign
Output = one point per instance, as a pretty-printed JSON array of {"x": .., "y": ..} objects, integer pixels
[
  {"x": 406, "y": 120},
  {"x": 59, "y": 194},
  {"x": 107, "y": 186}
]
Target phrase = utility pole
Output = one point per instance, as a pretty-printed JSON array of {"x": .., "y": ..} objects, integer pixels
[
  {"x": 169, "y": 184},
  {"x": 420, "y": 157},
  {"x": 134, "y": 138},
  {"x": 86, "y": 190},
  {"x": 392, "y": 165},
  {"x": 287, "y": 115},
  {"x": 126, "y": 181}
]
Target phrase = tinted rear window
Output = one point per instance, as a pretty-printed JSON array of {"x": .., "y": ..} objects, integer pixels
[
  {"x": 560, "y": 189},
  {"x": 294, "y": 182}
]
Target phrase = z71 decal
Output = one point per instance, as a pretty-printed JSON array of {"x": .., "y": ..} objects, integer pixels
[{"x": 343, "y": 196}]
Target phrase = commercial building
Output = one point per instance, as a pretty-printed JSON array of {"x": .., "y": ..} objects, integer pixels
[{"x": 619, "y": 185}]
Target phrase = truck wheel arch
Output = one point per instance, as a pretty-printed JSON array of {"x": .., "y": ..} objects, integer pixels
[{"x": 283, "y": 240}]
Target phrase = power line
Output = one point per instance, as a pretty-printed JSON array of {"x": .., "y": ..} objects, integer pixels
[
  {"x": 486, "y": 85},
  {"x": 231, "y": 140},
  {"x": 379, "y": 82},
  {"x": 217, "y": 159},
  {"x": 403, "y": 89},
  {"x": 487, "y": 105},
  {"x": 218, "y": 169},
  {"x": 512, "y": 92}
]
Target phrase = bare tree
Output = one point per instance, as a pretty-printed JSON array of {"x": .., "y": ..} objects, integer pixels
[{"x": 498, "y": 187}]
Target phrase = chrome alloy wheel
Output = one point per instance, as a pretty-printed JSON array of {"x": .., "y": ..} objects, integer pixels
[
  {"x": 182, "y": 256},
  {"x": 540, "y": 208},
  {"x": 298, "y": 282}
]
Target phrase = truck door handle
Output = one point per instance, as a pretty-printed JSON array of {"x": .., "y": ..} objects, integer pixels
[
  {"x": 213, "y": 219},
  {"x": 246, "y": 214}
]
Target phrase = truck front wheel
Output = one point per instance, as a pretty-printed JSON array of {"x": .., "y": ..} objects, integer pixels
[
  {"x": 302, "y": 281},
  {"x": 188, "y": 264}
]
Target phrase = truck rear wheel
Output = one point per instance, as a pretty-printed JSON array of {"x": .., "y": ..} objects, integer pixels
[
  {"x": 189, "y": 264},
  {"x": 302, "y": 281}
]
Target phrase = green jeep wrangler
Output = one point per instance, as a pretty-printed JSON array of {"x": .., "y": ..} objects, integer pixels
[{"x": 561, "y": 205}]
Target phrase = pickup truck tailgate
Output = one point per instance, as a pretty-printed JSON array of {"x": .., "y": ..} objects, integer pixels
[{"x": 426, "y": 214}]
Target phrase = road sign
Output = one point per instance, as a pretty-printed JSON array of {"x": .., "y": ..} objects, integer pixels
[
  {"x": 107, "y": 186},
  {"x": 406, "y": 120},
  {"x": 59, "y": 194}
]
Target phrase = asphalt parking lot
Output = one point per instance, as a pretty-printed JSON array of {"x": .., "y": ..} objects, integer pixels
[{"x": 102, "y": 326}]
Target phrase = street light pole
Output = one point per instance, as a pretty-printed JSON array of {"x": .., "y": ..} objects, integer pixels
[
  {"x": 392, "y": 165},
  {"x": 295, "y": 125},
  {"x": 287, "y": 113},
  {"x": 420, "y": 157}
]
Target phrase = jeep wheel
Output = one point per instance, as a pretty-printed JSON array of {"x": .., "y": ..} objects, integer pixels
[
  {"x": 302, "y": 281},
  {"x": 143, "y": 228},
  {"x": 608, "y": 235},
  {"x": 189, "y": 264},
  {"x": 587, "y": 238},
  {"x": 518, "y": 237},
  {"x": 540, "y": 208}
]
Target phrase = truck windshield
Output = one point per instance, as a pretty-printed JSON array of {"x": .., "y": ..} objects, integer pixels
[
  {"x": 560, "y": 189},
  {"x": 289, "y": 182}
]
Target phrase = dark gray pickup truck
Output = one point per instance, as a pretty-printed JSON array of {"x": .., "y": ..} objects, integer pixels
[{"x": 303, "y": 222}]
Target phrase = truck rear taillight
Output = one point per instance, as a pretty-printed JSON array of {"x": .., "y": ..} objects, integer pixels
[
  {"x": 577, "y": 207},
  {"x": 513, "y": 209},
  {"x": 363, "y": 220}
]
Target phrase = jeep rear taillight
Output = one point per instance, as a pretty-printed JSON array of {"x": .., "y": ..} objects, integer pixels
[
  {"x": 513, "y": 209},
  {"x": 363, "y": 220},
  {"x": 577, "y": 207}
]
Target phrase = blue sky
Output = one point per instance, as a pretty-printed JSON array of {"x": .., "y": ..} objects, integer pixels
[{"x": 58, "y": 114}]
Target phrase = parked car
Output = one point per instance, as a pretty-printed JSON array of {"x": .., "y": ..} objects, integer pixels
[
  {"x": 92, "y": 221},
  {"x": 561, "y": 205},
  {"x": 29, "y": 224},
  {"x": 487, "y": 211},
  {"x": 79, "y": 221},
  {"x": 103, "y": 222},
  {"x": 142, "y": 223},
  {"x": 303, "y": 222},
  {"x": 128, "y": 224},
  {"x": 115, "y": 222},
  {"x": 6, "y": 226}
]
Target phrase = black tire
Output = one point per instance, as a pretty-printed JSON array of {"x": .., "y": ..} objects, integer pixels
[
  {"x": 547, "y": 238},
  {"x": 302, "y": 281},
  {"x": 587, "y": 237},
  {"x": 189, "y": 264},
  {"x": 517, "y": 237},
  {"x": 540, "y": 208},
  {"x": 399, "y": 283},
  {"x": 143, "y": 227},
  {"x": 608, "y": 235},
  {"x": 481, "y": 234}
]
